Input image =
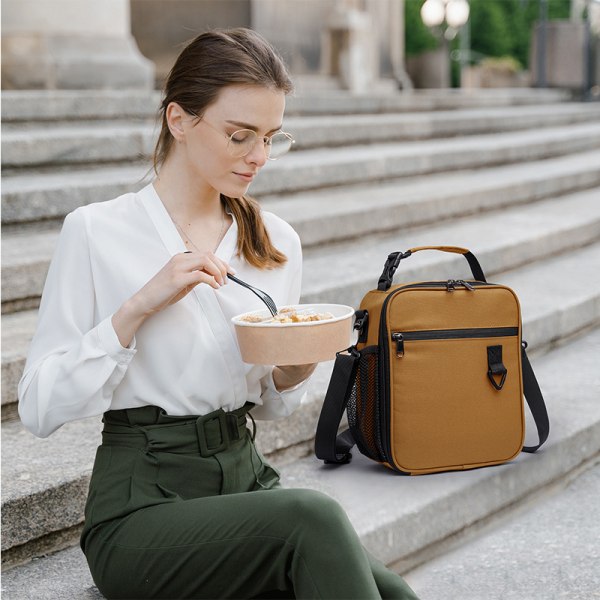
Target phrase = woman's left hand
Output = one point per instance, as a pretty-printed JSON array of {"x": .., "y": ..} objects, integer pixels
[{"x": 286, "y": 377}]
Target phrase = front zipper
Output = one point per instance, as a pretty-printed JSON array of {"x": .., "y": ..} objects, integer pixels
[
  {"x": 452, "y": 283},
  {"x": 399, "y": 337}
]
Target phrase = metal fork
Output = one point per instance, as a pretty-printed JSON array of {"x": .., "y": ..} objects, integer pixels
[{"x": 262, "y": 295}]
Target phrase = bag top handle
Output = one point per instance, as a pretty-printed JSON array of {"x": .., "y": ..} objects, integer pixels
[{"x": 393, "y": 261}]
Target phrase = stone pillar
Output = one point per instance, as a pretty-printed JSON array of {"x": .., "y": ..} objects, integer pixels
[
  {"x": 565, "y": 61},
  {"x": 397, "y": 45},
  {"x": 71, "y": 44}
]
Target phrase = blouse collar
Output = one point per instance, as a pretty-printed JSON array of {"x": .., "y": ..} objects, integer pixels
[{"x": 168, "y": 232}]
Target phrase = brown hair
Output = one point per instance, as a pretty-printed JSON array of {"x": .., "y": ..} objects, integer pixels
[{"x": 209, "y": 63}]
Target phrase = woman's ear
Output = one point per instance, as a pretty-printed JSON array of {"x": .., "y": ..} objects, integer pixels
[{"x": 175, "y": 120}]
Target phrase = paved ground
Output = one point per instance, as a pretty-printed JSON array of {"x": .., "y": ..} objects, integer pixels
[{"x": 548, "y": 551}]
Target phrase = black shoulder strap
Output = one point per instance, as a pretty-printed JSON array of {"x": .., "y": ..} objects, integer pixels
[
  {"x": 333, "y": 448},
  {"x": 535, "y": 400},
  {"x": 329, "y": 446}
]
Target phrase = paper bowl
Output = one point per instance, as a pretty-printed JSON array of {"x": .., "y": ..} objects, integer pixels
[{"x": 295, "y": 343}]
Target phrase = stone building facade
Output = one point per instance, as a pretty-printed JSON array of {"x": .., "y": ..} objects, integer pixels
[{"x": 82, "y": 44}]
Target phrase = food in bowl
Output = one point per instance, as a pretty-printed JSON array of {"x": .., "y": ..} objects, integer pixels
[
  {"x": 288, "y": 315},
  {"x": 299, "y": 334}
]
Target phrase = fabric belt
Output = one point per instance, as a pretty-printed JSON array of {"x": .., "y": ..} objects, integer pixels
[{"x": 151, "y": 429}]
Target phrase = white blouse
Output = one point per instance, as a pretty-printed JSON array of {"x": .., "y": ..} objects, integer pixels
[{"x": 184, "y": 359}]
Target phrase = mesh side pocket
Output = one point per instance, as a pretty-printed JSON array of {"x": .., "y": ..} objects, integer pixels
[{"x": 363, "y": 405}]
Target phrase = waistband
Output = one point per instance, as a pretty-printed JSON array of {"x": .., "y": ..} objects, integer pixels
[{"x": 150, "y": 428}]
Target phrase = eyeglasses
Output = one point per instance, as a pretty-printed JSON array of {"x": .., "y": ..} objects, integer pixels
[{"x": 241, "y": 142}]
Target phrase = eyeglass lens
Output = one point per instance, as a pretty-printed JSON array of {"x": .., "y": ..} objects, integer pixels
[{"x": 242, "y": 143}]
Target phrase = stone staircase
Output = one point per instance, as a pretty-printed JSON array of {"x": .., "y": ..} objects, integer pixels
[{"x": 514, "y": 175}]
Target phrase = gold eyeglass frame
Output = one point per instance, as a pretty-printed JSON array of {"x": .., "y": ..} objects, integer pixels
[{"x": 266, "y": 139}]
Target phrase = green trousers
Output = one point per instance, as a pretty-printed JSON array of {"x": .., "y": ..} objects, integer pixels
[{"x": 186, "y": 507}]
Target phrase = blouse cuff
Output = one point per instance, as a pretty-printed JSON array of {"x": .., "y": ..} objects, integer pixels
[
  {"x": 109, "y": 342},
  {"x": 276, "y": 404}
]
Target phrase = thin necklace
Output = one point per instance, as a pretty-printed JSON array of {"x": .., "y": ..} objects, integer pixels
[{"x": 187, "y": 237}]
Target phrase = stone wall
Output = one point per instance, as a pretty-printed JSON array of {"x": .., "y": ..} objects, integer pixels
[{"x": 70, "y": 44}]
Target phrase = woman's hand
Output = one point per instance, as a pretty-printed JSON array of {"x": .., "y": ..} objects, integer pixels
[
  {"x": 286, "y": 377},
  {"x": 178, "y": 278},
  {"x": 174, "y": 281}
]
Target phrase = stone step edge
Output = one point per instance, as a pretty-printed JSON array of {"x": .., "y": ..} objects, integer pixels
[
  {"x": 342, "y": 103},
  {"x": 495, "y": 256},
  {"x": 568, "y": 176},
  {"x": 42, "y": 105},
  {"x": 388, "y": 539},
  {"x": 578, "y": 235},
  {"x": 31, "y": 149},
  {"x": 49, "y": 130},
  {"x": 424, "y": 207},
  {"x": 302, "y": 423},
  {"x": 408, "y": 202},
  {"x": 66, "y": 191},
  {"x": 469, "y": 145}
]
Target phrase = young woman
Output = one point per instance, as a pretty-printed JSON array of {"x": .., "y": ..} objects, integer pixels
[{"x": 134, "y": 323}]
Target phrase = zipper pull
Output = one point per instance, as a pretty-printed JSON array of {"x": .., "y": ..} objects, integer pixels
[
  {"x": 466, "y": 285},
  {"x": 450, "y": 285},
  {"x": 399, "y": 339}
]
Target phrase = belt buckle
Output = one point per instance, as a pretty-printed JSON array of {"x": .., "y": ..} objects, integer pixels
[{"x": 201, "y": 433}]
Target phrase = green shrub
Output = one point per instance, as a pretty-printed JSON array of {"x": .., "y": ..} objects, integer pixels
[{"x": 498, "y": 27}]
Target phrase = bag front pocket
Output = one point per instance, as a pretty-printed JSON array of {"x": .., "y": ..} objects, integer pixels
[{"x": 448, "y": 409}]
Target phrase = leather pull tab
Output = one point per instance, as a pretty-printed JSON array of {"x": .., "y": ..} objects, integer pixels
[{"x": 495, "y": 366}]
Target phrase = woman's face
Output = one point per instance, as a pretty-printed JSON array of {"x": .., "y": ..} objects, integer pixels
[{"x": 259, "y": 109}]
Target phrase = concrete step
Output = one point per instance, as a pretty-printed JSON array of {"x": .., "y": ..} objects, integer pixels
[
  {"x": 33, "y": 195},
  {"x": 77, "y": 142},
  {"x": 110, "y": 141},
  {"x": 502, "y": 240},
  {"x": 539, "y": 226},
  {"x": 62, "y": 105},
  {"x": 433, "y": 507},
  {"x": 339, "y": 102},
  {"x": 27, "y": 106},
  {"x": 17, "y": 331},
  {"x": 544, "y": 549},
  {"x": 44, "y": 481},
  {"x": 26, "y": 255},
  {"x": 324, "y": 216}
]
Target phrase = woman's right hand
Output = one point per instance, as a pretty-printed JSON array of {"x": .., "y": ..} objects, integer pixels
[
  {"x": 179, "y": 277},
  {"x": 173, "y": 282}
]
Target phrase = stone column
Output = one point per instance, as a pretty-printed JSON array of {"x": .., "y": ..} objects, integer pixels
[
  {"x": 397, "y": 44},
  {"x": 71, "y": 44}
]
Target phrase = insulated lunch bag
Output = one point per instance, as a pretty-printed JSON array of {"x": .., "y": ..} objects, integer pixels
[{"x": 437, "y": 378}]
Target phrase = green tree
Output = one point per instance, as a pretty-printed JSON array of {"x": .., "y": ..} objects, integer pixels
[
  {"x": 498, "y": 27},
  {"x": 418, "y": 38},
  {"x": 504, "y": 27},
  {"x": 490, "y": 29}
]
